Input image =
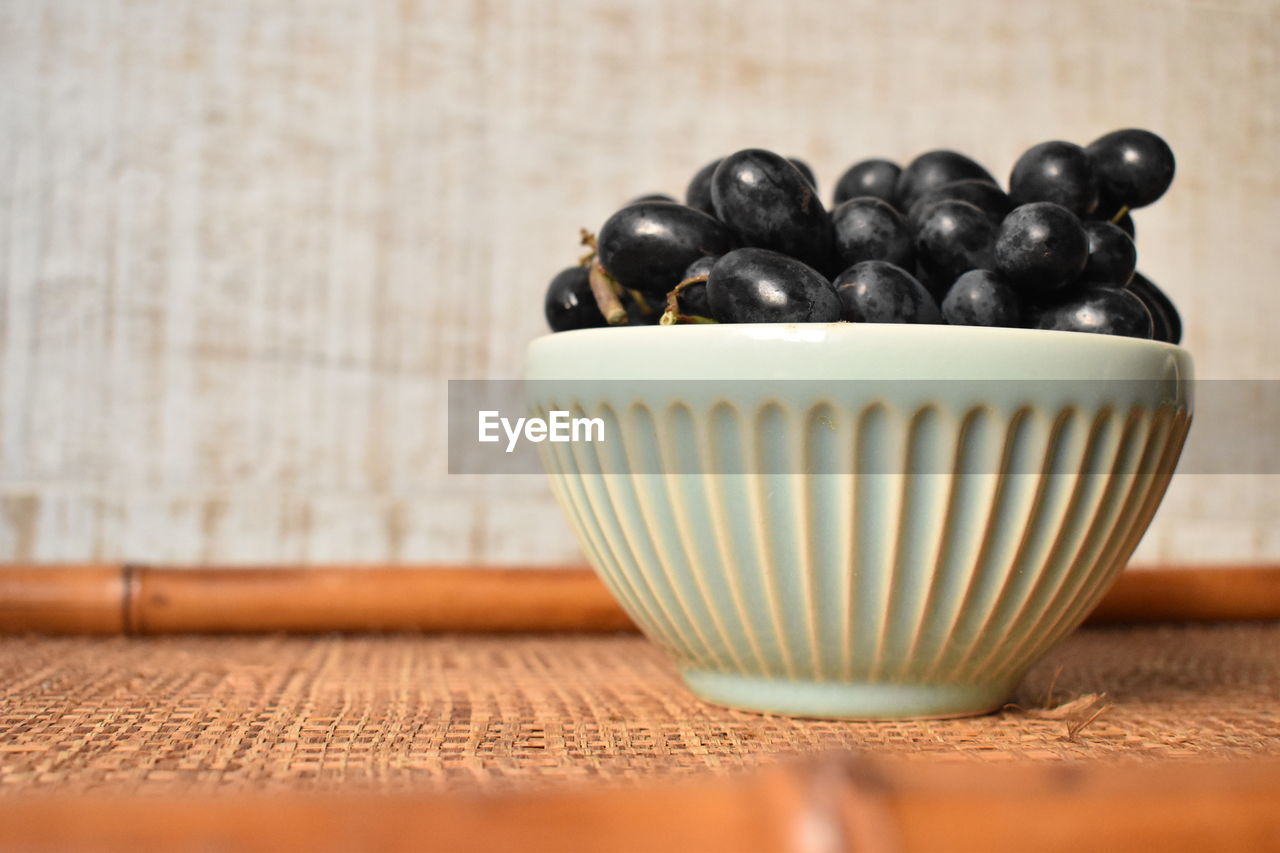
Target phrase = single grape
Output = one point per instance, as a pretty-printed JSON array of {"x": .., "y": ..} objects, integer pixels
[
  {"x": 693, "y": 300},
  {"x": 932, "y": 283},
  {"x": 986, "y": 196},
  {"x": 954, "y": 237},
  {"x": 1041, "y": 247},
  {"x": 761, "y": 286},
  {"x": 933, "y": 169},
  {"x": 698, "y": 194},
  {"x": 1124, "y": 223},
  {"x": 1168, "y": 324},
  {"x": 1102, "y": 311},
  {"x": 868, "y": 178},
  {"x": 569, "y": 303},
  {"x": 1134, "y": 168},
  {"x": 1112, "y": 255},
  {"x": 881, "y": 292},
  {"x": 869, "y": 229},
  {"x": 803, "y": 168},
  {"x": 702, "y": 266},
  {"x": 1034, "y": 305},
  {"x": 982, "y": 298},
  {"x": 769, "y": 205},
  {"x": 647, "y": 246},
  {"x": 653, "y": 197},
  {"x": 1060, "y": 172}
]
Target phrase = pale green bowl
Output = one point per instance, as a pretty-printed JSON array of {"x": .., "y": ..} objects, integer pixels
[{"x": 1006, "y": 511}]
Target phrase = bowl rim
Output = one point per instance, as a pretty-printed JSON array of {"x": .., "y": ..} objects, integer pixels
[
  {"x": 849, "y": 351},
  {"x": 767, "y": 331}
]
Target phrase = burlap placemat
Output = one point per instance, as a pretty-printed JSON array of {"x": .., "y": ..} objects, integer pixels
[{"x": 492, "y": 712}]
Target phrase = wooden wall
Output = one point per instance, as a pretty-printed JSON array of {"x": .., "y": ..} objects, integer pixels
[{"x": 244, "y": 244}]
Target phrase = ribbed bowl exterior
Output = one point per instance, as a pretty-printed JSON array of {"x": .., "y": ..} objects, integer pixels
[{"x": 916, "y": 538}]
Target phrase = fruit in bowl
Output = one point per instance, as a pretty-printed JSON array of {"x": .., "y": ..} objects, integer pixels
[
  {"x": 831, "y": 487},
  {"x": 754, "y": 243}
]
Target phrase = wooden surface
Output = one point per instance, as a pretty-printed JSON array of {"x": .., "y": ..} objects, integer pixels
[
  {"x": 838, "y": 804},
  {"x": 245, "y": 244},
  {"x": 136, "y": 599},
  {"x": 448, "y": 713}
]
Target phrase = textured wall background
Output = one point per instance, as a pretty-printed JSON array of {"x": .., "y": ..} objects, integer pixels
[{"x": 243, "y": 245}]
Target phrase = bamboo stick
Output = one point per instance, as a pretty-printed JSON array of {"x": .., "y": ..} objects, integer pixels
[
  {"x": 300, "y": 600},
  {"x": 63, "y": 599},
  {"x": 1100, "y": 808},
  {"x": 1204, "y": 595},
  {"x": 837, "y": 803},
  {"x": 114, "y": 599}
]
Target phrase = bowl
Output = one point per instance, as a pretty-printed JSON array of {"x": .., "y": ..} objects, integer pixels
[{"x": 859, "y": 521}]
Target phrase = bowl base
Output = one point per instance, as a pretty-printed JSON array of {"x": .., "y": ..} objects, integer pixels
[{"x": 845, "y": 700}]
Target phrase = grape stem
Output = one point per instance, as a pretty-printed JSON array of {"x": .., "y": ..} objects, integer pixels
[
  {"x": 588, "y": 240},
  {"x": 606, "y": 289},
  {"x": 1115, "y": 220},
  {"x": 672, "y": 316}
]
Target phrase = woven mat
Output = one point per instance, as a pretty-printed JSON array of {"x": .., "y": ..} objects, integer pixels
[{"x": 432, "y": 713}]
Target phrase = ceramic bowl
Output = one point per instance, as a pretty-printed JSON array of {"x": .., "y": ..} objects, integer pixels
[{"x": 858, "y": 520}]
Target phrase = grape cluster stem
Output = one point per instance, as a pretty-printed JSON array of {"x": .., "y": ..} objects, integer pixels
[
  {"x": 606, "y": 290},
  {"x": 604, "y": 287},
  {"x": 589, "y": 240}
]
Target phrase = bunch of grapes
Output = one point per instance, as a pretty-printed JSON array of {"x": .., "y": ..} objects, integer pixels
[{"x": 939, "y": 242}]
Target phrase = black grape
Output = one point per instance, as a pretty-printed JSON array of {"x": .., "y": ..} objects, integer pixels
[
  {"x": 569, "y": 303},
  {"x": 1060, "y": 172},
  {"x": 653, "y": 197},
  {"x": 881, "y": 292},
  {"x": 869, "y": 229},
  {"x": 1041, "y": 247},
  {"x": 877, "y": 178},
  {"x": 1134, "y": 168},
  {"x": 986, "y": 196},
  {"x": 769, "y": 205},
  {"x": 1124, "y": 223},
  {"x": 982, "y": 298},
  {"x": 954, "y": 237},
  {"x": 702, "y": 266},
  {"x": 932, "y": 283},
  {"x": 698, "y": 194},
  {"x": 1168, "y": 324},
  {"x": 647, "y": 246},
  {"x": 803, "y": 168},
  {"x": 693, "y": 299},
  {"x": 1102, "y": 311},
  {"x": 1112, "y": 255},
  {"x": 933, "y": 169},
  {"x": 760, "y": 286}
]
